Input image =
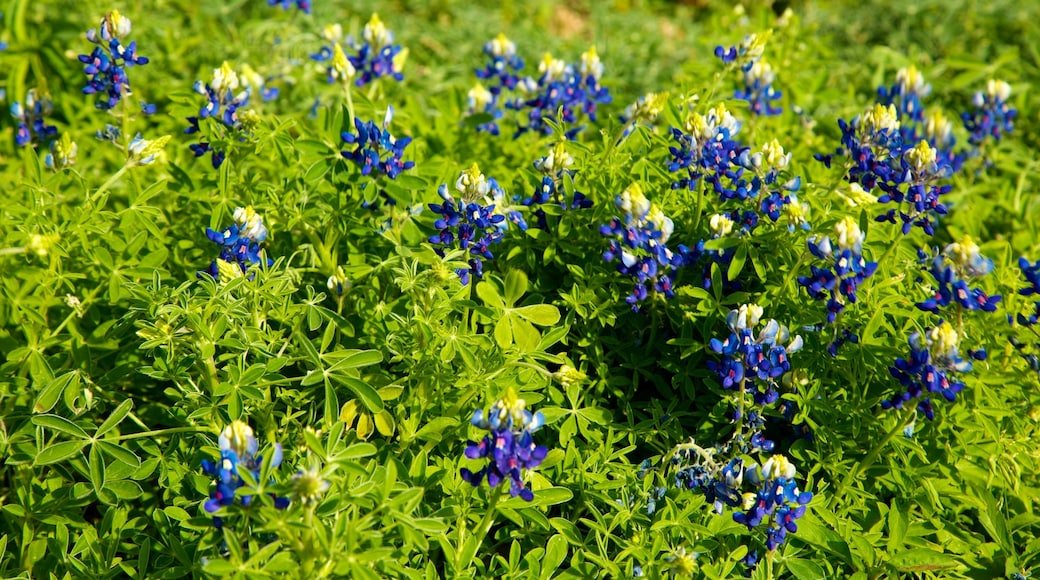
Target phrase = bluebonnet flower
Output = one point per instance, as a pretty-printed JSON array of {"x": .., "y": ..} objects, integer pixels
[
  {"x": 639, "y": 245},
  {"x": 562, "y": 93},
  {"x": 555, "y": 167},
  {"x": 846, "y": 267},
  {"x": 376, "y": 151},
  {"x": 758, "y": 89},
  {"x": 238, "y": 451},
  {"x": 376, "y": 57},
  {"x": 106, "y": 65},
  {"x": 753, "y": 363},
  {"x": 905, "y": 95},
  {"x": 644, "y": 111},
  {"x": 227, "y": 107},
  {"x": 1032, "y": 275},
  {"x": 777, "y": 502},
  {"x": 240, "y": 245},
  {"x": 932, "y": 367},
  {"x": 302, "y": 5},
  {"x": 480, "y": 100},
  {"x": 992, "y": 116},
  {"x": 501, "y": 74},
  {"x": 471, "y": 223},
  {"x": 509, "y": 445},
  {"x": 706, "y": 147},
  {"x": 32, "y": 125},
  {"x": 953, "y": 269},
  {"x": 503, "y": 66}
]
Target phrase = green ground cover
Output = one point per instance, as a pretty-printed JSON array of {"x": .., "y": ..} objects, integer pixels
[{"x": 519, "y": 289}]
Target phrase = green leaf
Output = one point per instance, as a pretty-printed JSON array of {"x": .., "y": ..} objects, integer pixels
[
  {"x": 555, "y": 554},
  {"x": 115, "y": 417},
  {"x": 59, "y": 452},
  {"x": 119, "y": 453},
  {"x": 804, "y": 569},
  {"x": 60, "y": 424},
  {"x": 361, "y": 358},
  {"x": 369, "y": 396},
  {"x": 738, "y": 262},
  {"x": 50, "y": 394},
  {"x": 525, "y": 335},
  {"x": 540, "y": 314},
  {"x": 504, "y": 333},
  {"x": 923, "y": 559},
  {"x": 489, "y": 295},
  {"x": 516, "y": 286},
  {"x": 96, "y": 464}
]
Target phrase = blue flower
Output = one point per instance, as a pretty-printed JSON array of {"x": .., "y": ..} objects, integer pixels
[
  {"x": 240, "y": 245},
  {"x": 638, "y": 245},
  {"x": 777, "y": 502},
  {"x": 32, "y": 126},
  {"x": 562, "y": 94},
  {"x": 992, "y": 116},
  {"x": 238, "y": 448},
  {"x": 1032, "y": 276},
  {"x": 958, "y": 263},
  {"x": 471, "y": 223},
  {"x": 372, "y": 59},
  {"x": 932, "y": 367},
  {"x": 303, "y": 5},
  {"x": 758, "y": 89},
  {"x": 753, "y": 363},
  {"x": 376, "y": 151},
  {"x": 509, "y": 445},
  {"x": 850, "y": 268},
  {"x": 106, "y": 65},
  {"x": 227, "y": 96}
]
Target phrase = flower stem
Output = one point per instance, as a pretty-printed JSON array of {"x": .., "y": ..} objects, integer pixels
[{"x": 463, "y": 556}]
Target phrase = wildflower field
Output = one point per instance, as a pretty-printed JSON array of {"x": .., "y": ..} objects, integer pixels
[{"x": 444, "y": 289}]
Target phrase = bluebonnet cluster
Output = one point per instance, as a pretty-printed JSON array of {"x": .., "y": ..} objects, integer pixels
[
  {"x": 470, "y": 223},
  {"x": 106, "y": 65},
  {"x": 639, "y": 245},
  {"x": 32, "y": 125},
  {"x": 765, "y": 495},
  {"x": 953, "y": 269},
  {"x": 562, "y": 93},
  {"x": 776, "y": 502},
  {"x": 846, "y": 268},
  {"x": 240, "y": 245},
  {"x": 931, "y": 368},
  {"x": 554, "y": 168},
  {"x": 508, "y": 446},
  {"x": 501, "y": 73},
  {"x": 302, "y": 5},
  {"x": 753, "y": 363},
  {"x": 992, "y": 116},
  {"x": 907, "y": 175},
  {"x": 376, "y": 57},
  {"x": 376, "y": 151},
  {"x": 906, "y": 152},
  {"x": 227, "y": 107},
  {"x": 1032, "y": 275},
  {"x": 644, "y": 111},
  {"x": 238, "y": 451},
  {"x": 708, "y": 151},
  {"x": 758, "y": 88}
]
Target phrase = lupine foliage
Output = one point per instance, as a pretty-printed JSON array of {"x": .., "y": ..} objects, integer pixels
[{"x": 714, "y": 292}]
